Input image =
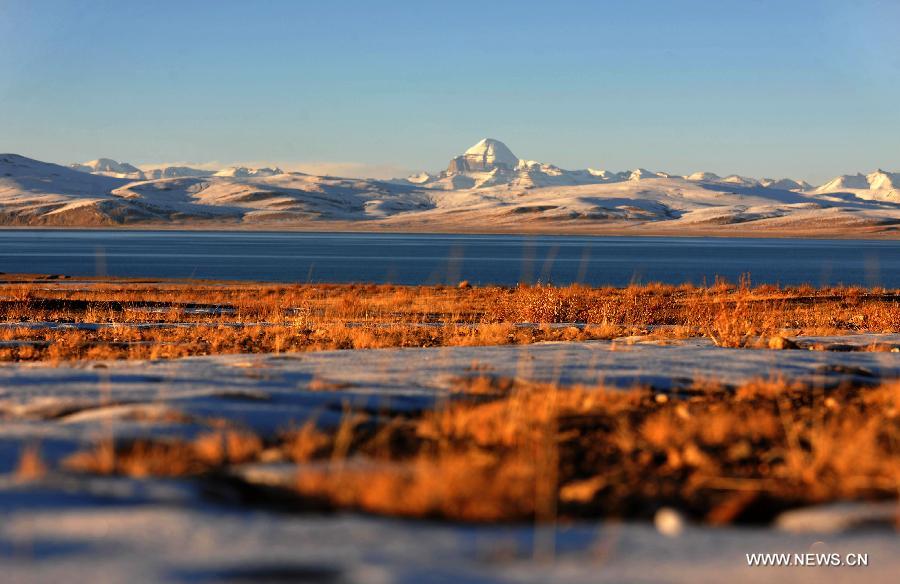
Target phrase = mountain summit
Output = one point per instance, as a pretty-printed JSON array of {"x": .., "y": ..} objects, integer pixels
[
  {"x": 482, "y": 189},
  {"x": 109, "y": 167},
  {"x": 485, "y": 156},
  {"x": 877, "y": 186},
  {"x": 490, "y": 164}
]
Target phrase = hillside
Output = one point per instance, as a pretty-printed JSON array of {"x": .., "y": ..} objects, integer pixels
[{"x": 485, "y": 188}]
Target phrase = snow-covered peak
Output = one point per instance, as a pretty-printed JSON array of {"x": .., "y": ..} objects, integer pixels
[
  {"x": 153, "y": 173},
  {"x": 642, "y": 174},
  {"x": 845, "y": 181},
  {"x": 109, "y": 167},
  {"x": 877, "y": 186},
  {"x": 420, "y": 178},
  {"x": 244, "y": 172},
  {"x": 736, "y": 179},
  {"x": 703, "y": 176},
  {"x": 535, "y": 166},
  {"x": 785, "y": 184},
  {"x": 19, "y": 174},
  {"x": 489, "y": 153},
  {"x": 881, "y": 180},
  {"x": 601, "y": 173},
  {"x": 856, "y": 181}
]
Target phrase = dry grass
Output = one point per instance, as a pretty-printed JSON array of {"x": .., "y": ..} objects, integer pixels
[
  {"x": 31, "y": 466},
  {"x": 503, "y": 450},
  {"x": 177, "y": 319},
  {"x": 500, "y": 449},
  {"x": 168, "y": 457}
]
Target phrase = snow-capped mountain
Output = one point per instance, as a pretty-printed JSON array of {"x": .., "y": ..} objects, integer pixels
[
  {"x": 881, "y": 180},
  {"x": 642, "y": 174},
  {"x": 485, "y": 156},
  {"x": 786, "y": 184},
  {"x": 703, "y": 176},
  {"x": 41, "y": 193},
  {"x": 843, "y": 182},
  {"x": 490, "y": 164},
  {"x": 736, "y": 179},
  {"x": 244, "y": 172},
  {"x": 877, "y": 186},
  {"x": 151, "y": 173},
  {"x": 109, "y": 167},
  {"x": 25, "y": 178},
  {"x": 486, "y": 187},
  {"x": 606, "y": 175}
]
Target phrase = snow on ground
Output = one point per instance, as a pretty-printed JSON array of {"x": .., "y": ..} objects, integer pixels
[
  {"x": 282, "y": 196},
  {"x": 118, "y": 529},
  {"x": 120, "y": 539},
  {"x": 267, "y": 392}
]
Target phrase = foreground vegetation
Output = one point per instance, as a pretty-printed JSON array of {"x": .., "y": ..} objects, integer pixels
[
  {"x": 505, "y": 450},
  {"x": 500, "y": 449},
  {"x": 51, "y": 320}
]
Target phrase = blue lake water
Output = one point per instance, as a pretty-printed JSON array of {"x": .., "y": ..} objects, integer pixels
[{"x": 434, "y": 258}]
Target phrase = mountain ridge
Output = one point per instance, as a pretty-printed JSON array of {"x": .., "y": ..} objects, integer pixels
[
  {"x": 490, "y": 162},
  {"x": 487, "y": 188}
]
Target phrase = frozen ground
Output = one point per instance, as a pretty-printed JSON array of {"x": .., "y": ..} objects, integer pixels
[
  {"x": 130, "y": 530},
  {"x": 121, "y": 540}
]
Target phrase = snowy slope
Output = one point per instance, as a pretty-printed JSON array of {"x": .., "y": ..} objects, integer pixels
[
  {"x": 786, "y": 184},
  {"x": 486, "y": 187},
  {"x": 109, "y": 167},
  {"x": 703, "y": 176},
  {"x": 35, "y": 192},
  {"x": 490, "y": 163},
  {"x": 244, "y": 172},
  {"x": 488, "y": 154},
  {"x": 278, "y": 197},
  {"x": 657, "y": 199},
  {"x": 876, "y": 186},
  {"x": 152, "y": 173}
]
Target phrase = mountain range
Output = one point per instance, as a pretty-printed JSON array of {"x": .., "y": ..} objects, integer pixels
[{"x": 485, "y": 188}]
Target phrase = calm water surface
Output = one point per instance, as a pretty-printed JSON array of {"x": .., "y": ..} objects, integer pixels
[{"x": 418, "y": 259}]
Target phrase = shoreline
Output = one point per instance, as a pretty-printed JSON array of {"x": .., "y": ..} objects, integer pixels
[{"x": 868, "y": 233}]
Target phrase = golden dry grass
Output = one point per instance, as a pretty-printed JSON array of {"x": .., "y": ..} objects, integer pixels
[
  {"x": 176, "y": 319},
  {"x": 508, "y": 450},
  {"x": 31, "y": 466}
]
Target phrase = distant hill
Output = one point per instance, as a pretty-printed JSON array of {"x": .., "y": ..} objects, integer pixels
[{"x": 487, "y": 187}]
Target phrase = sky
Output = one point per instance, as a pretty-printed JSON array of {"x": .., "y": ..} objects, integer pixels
[{"x": 808, "y": 89}]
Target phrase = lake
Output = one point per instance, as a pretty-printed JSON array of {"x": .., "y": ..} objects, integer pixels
[{"x": 438, "y": 258}]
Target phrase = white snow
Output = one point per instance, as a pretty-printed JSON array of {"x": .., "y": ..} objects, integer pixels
[
  {"x": 109, "y": 167},
  {"x": 485, "y": 187},
  {"x": 112, "y": 531},
  {"x": 879, "y": 185},
  {"x": 31, "y": 190},
  {"x": 786, "y": 184},
  {"x": 244, "y": 172},
  {"x": 641, "y": 174},
  {"x": 152, "y": 173},
  {"x": 703, "y": 176},
  {"x": 491, "y": 153},
  {"x": 741, "y": 180}
]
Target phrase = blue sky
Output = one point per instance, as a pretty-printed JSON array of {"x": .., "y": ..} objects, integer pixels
[{"x": 807, "y": 89}]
